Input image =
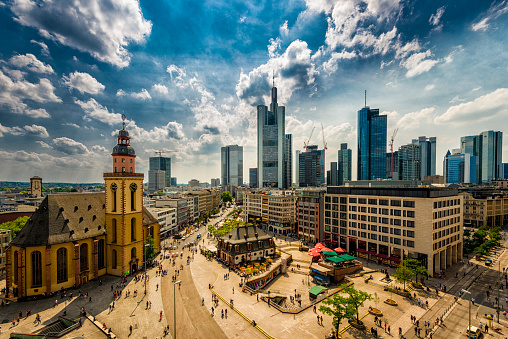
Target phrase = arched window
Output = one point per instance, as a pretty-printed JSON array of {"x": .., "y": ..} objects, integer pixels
[
  {"x": 83, "y": 257},
  {"x": 133, "y": 229},
  {"x": 100, "y": 253},
  {"x": 133, "y": 253},
  {"x": 36, "y": 269},
  {"x": 61, "y": 265},
  {"x": 16, "y": 267},
  {"x": 113, "y": 230},
  {"x": 114, "y": 188},
  {"x": 113, "y": 259},
  {"x": 133, "y": 187}
]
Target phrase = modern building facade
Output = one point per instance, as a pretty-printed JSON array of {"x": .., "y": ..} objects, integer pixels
[
  {"x": 312, "y": 167},
  {"x": 391, "y": 223},
  {"x": 156, "y": 180},
  {"x": 345, "y": 161},
  {"x": 167, "y": 219},
  {"x": 460, "y": 168},
  {"x": 297, "y": 168},
  {"x": 232, "y": 165},
  {"x": 487, "y": 146},
  {"x": 310, "y": 215},
  {"x": 332, "y": 175},
  {"x": 288, "y": 160},
  {"x": 5, "y": 239},
  {"x": 427, "y": 148},
  {"x": 271, "y": 144},
  {"x": 371, "y": 144},
  {"x": 161, "y": 164},
  {"x": 409, "y": 162},
  {"x": 253, "y": 177},
  {"x": 392, "y": 173},
  {"x": 272, "y": 211},
  {"x": 214, "y": 182},
  {"x": 173, "y": 181}
]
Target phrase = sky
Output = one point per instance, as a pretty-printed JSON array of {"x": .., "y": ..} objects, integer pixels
[{"x": 188, "y": 75}]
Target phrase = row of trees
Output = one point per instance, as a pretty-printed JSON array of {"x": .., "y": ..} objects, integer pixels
[
  {"x": 344, "y": 306},
  {"x": 227, "y": 227},
  {"x": 15, "y": 226},
  {"x": 408, "y": 269},
  {"x": 482, "y": 241}
]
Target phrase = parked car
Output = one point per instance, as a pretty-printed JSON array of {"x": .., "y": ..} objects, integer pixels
[{"x": 474, "y": 331}]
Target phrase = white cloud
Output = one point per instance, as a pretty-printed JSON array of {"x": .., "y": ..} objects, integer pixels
[
  {"x": 283, "y": 29},
  {"x": 94, "y": 110},
  {"x": 160, "y": 89},
  {"x": 313, "y": 109},
  {"x": 485, "y": 107},
  {"x": 44, "y": 47},
  {"x": 99, "y": 149},
  {"x": 71, "y": 124},
  {"x": 31, "y": 62},
  {"x": 44, "y": 145},
  {"x": 415, "y": 120},
  {"x": 121, "y": 93},
  {"x": 430, "y": 87},
  {"x": 496, "y": 10},
  {"x": 418, "y": 63},
  {"x": 332, "y": 64},
  {"x": 15, "y": 90},
  {"x": 435, "y": 19},
  {"x": 102, "y": 29},
  {"x": 177, "y": 75},
  {"x": 273, "y": 47},
  {"x": 34, "y": 130},
  {"x": 83, "y": 82},
  {"x": 69, "y": 146},
  {"x": 173, "y": 130},
  {"x": 143, "y": 95}
]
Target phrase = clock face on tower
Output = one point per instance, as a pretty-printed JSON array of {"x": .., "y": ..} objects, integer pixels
[
  {"x": 133, "y": 187},
  {"x": 114, "y": 187}
]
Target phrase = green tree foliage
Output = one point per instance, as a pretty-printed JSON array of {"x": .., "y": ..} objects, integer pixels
[
  {"x": 403, "y": 275},
  {"x": 416, "y": 267},
  {"x": 467, "y": 234},
  {"x": 355, "y": 299},
  {"x": 150, "y": 250},
  {"x": 227, "y": 227},
  {"x": 338, "y": 307},
  {"x": 15, "y": 226},
  {"x": 226, "y": 196}
]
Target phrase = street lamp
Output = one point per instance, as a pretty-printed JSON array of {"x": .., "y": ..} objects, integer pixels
[
  {"x": 144, "y": 262},
  {"x": 470, "y": 299},
  {"x": 498, "y": 281},
  {"x": 174, "y": 308}
]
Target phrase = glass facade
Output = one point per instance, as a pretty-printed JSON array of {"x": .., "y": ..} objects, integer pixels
[
  {"x": 232, "y": 165},
  {"x": 460, "y": 168},
  {"x": 311, "y": 167},
  {"x": 427, "y": 156},
  {"x": 161, "y": 164},
  {"x": 345, "y": 157},
  {"x": 253, "y": 177},
  {"x": 371, "y": 144},
  {"x": 409, "y": 162},
  {"x": 488, "y": 148}
]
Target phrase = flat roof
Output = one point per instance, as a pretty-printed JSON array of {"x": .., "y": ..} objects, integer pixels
[{"x": 403, "y": 192}]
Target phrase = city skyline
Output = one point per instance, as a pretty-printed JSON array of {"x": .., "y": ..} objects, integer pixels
[{"x": 433, "y": 70}]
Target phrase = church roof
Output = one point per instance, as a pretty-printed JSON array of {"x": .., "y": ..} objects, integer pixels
[{"x": 67, "y": 217}]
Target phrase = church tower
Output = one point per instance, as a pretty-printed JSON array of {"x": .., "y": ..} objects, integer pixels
[{"x": 124, "y": 209}]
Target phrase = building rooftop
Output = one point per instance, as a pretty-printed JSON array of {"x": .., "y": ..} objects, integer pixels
[{"x": 393, "y": 191}]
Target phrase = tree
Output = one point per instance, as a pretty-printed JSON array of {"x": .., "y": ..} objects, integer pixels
[
  {"x": 150, "y": 252},
  {"x": 15, "y": 226},
  {"x": 355, "y": 299},
  {"x": 416, "y": 267},
  {"x": 467, "y": 234},
  {"x": 403, "y": 275},
  {"x": 338, "y": 308},
  {"x": 226, "y": 196}
]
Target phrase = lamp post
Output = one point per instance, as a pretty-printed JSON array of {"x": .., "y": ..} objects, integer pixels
[
  {"x": 174, "y": 308},
  {"x": 498, "y": 281},
  {"x": 469, "y": 327},
  {"x": 144, "y": 262}
]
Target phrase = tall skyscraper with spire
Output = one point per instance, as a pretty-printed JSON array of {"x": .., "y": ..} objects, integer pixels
[{"x": 272, "y": 144}]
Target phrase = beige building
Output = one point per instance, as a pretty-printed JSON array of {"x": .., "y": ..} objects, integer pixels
[
  {"x": 166, "y": 216},
  {"x": 310, "y": 215},
  {"x": 485, "y": 207},
  {"x": 273, "y": 211},
  {"x": 391, "y": 223},
  {"x": 5, "y": 239}
]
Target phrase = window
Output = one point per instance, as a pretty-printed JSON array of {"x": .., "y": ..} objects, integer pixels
[
  {"x": 133, "y": 187},
  {"x": 384, "y": 238},
  {"x": 237, "y": 248},
  {"x": 395, "y": 202},
  {"x": 328, "y": 199},
  {"x": 249, "y": 246},
  {"x": 384, "y": 221},
  {"x": 133, "y": 229},
  {"x": 373, "y": 228},
  {"x": 385, "y": 211},
  {"x": 372, "y": 201},
  {"x": 83, "y": 257},
  {"x": 335, "y": 200},
  {"x": 396, "y": 222},
  {"x": 343, "y": 200},
  {"x": 397, "y": 213},
  {"x": 410, "y": 214},
  {"x": 383, "y": 202},
  {"x": 373, "y": 219},
  {"x": 114, "y": 188},
  {"x": 36, "y": 269},
  {"x": 133, "y": 253},
  {"x": 408, "y": 204},
  {"x": 362, "y": 201},
  {"x": 113, "y": 259},
  {"x": 100, "y": 254},
  {"x": 113, "y": 230},
  {"x": 396, "y": 241},
  {"x": 410, "y": 243},
  {"x": 61, "y": 265},
  {"x": 384, "y": 229},
  {"x": 410, "y": 234},
  {"x": 373, "y": 236},
  {"x": 123, "y": 160},
  {"x": 410, "y": 223},
  {"x": 352, "y": 200},
  {"x": 352, "y": 208}
]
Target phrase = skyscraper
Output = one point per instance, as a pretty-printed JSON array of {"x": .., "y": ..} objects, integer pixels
[
  {"x": 395, "y": 162},
  {"x": 156, "y": 180},
  {"x": 371, "y": 144},
  {"x": 288, "y": 160},
  {"x": 332, "y": 175},
  {"x": 161, "y": 164},
  {"x": 460, "y": 168},
  {"x": 297, "y": 168},
  {"x": 271, "y": 144},
  {"x": 427, "y": 156},
  {"x": 312, "y": 167},
  {"x": 488, "y": 148},
  {"x": 253, "y": 177},
  {"x": 232, "y": 165},
  {"x": 409, "y": 162},
  {"x": 344, "y": 164}
]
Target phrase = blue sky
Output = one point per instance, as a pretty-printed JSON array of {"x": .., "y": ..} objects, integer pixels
[{"x": 188, "y": 75}]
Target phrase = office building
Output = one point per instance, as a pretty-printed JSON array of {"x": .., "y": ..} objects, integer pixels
[
  {"x": 166, "y": 217},
  {"x": 345, "y": 160},
  {"x": 215, "y": 182},
  {"x": 310, "y": 215},
  {"x": 391, "y": 223},
  {"x": 371, "y": 144},
  {"x": 173, "y": 181},
  {"x": 232, "y": 165},
  {"x": 505, "y": 171},
  {"x": 161, "y": 164},
  {"x": 332, "y": 175},
  {"x": 409, "y": 162},
  {"x": 485, "y": 207},
  {"x": 488, "y": 147},
  {"x": 288, "y": 160},
  {"x": 253, "y": 177},
  {"x": 272, "y": 211},
  {"x": 156, "y": 180},
  {"x": 194, "y": 183},
  {"x": 427, "y": 156},
  {"x": 460, "y": 168},
  {"x": 394, "y": 163},
  {"x": 271, "y": 144},
  {"x": 312, "y": 167}
]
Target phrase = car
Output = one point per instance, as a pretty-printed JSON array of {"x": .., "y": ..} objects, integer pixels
[
  {"x": 474, "y": 331},
  {"x": 177, "y": 236},
  {"x": 488, "y": 262}
]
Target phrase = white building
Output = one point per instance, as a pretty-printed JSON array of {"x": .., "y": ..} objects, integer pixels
[{"x": 166, "y": 216}]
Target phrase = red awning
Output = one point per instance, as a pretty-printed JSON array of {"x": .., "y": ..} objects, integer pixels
[
  {"x": 314, "y": 254},
  {"x": 381, "y": 255},
  {"x": 361, "y": 250},
  {"x": 394, "y": 259},
  {"x": 340, "y": 250},
  {"x": 371, "y": 252}
]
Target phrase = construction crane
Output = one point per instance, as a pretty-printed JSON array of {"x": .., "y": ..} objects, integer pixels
[
  {"x": 160, "y": 152},
  {"x": 324, "y": 143},
  {"x": 324, "y": 152},
  {"x": 306, "y": 144},
  {"x": 391, "y": 150}
]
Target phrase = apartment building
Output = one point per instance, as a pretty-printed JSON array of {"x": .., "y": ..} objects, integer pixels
[
  {"x": 5, "y": 239},
  {"x": 182, "y": 210},
  {"x": 310, "y": 215},
  {"x": 273, "y": 211},
  {"x": 167, "y": 218},
  {"x": 485, "y": 207},
  {"x": 391, "y": 223}
]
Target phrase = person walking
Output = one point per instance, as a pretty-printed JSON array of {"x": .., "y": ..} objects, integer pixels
[{"x": 130, "y": 329}]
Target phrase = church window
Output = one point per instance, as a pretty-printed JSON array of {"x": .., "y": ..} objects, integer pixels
[
  {"x": 114, "y": 188},
  {"x": 133, "y": 187},
  {"x": 16, "y": 267},
  {"x": 36, "y": 269},
  {"x": 133, "y": 253},
  {"x": 113, "y": 259},
  {"x": 83, "y": 257},
  {"x": 61, "y": 265},
  {"x": 133, "y": 229},
  {"x": 100, "y": 254},
  {"x": 113, "y": 230}
]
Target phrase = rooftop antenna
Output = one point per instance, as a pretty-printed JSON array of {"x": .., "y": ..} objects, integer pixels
[
  {"x": 273, "y": 78},
  {"x": 365, "y": 98},
  {"x": 123, "y": 120}
]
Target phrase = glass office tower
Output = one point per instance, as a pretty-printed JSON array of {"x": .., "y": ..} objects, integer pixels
[
  {"x": 371, "y": 144},
  {"x": 344, "y": 164},
  {"x": 232, "y": 165},
  {"x": 161, "y": 164}
]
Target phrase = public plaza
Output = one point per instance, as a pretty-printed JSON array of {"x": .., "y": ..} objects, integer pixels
[{"x": 204, "y": 278}]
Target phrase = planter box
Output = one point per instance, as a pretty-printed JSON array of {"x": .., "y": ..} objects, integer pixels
[
  {"x": 357, "y": 325},
  {"x": 391, "y": 302},
  {"x": 376, "y": 312}
]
